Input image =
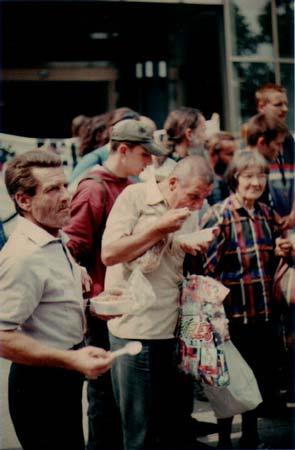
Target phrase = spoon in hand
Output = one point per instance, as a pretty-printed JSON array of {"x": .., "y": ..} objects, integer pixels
[{"x": 132, "y": 348}]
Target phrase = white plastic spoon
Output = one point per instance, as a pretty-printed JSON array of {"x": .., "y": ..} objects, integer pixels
[{"x": 132, "y": 348}]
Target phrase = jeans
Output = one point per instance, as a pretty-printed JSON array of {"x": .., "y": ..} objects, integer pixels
[
  {"x": 145, "y": 390},
  {"x": 45, "y": 405},
  {"x": 104, "y": 425}
]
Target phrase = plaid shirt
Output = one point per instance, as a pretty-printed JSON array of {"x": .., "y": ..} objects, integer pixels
[
  {"x": 284, "y": 282},
  {"x": 242, "y": 257}
]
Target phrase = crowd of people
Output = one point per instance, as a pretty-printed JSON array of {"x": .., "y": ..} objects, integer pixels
[{"x": 135, "y": 189}]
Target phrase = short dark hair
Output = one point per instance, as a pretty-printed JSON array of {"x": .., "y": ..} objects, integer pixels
[
  {"x": 18, "y": 174},
  {"x": 262, "y": 93},
  {"x": 116, "y": 144},
  {"x": 264, "y": 125},
  {"x": 242, "y": 160}
]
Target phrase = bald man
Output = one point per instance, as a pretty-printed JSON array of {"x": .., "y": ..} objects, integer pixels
[{"x": 145, "y": 386}]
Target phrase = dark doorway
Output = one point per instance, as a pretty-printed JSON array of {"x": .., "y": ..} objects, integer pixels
[
  {"x": 45, "y": 109},
  {"x": 119, "y": 34}
]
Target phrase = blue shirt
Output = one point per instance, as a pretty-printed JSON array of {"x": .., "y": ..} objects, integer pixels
[
  {"x": 97, "y": 156},
  {"x": 2, "y": 235}
]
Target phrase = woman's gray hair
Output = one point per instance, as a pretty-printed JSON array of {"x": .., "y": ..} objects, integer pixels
[{"x": 242, "y": 160}]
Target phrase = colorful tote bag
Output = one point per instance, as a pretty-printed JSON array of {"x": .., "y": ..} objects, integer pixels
[{"x": 202, "y": 330}]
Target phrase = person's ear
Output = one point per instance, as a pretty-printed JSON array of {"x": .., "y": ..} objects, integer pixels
[
  {"x": 122, "y": 149},
  {"x": 261, "y": 143},
  {"x": 173, "y": 181},
  {"x": 261, "y": 106},
  {"x": 188, "y": 134},
  {"x": 24, "y": 201}
]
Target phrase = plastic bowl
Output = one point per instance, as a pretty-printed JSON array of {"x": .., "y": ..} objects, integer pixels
[
  {"x": 197, "y": 237},
  {"x": 111, "y": 306}
]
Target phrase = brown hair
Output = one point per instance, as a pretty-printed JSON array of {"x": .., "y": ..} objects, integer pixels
[
  {"x": 241, "y": 161},
  {"x": 96, "y": 131},
  {"x": 93, "y": 133},
  {"x": 264, "y": 125},
  {"x": 177, "y": 122},
  {"x": 18, "y": 174},
  {"x": 122, "y": 113},
  {"x": 77, "y": 123},
  {"x": 213, "y": 143},
  {"x": 262, "y": 93}
]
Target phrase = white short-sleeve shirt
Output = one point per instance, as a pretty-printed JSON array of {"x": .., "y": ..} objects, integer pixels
[
  {"x": 40, "y": 287},
  {"x": 141, "y": 202}
]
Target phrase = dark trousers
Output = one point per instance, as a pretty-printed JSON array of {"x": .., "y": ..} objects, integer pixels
[
  {"x": 46, "y": 407},
  {"x": 104, "y": 423},
  {"x": 259, "y": 345}
]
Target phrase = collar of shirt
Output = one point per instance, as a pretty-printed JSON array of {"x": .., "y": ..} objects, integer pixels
[
  {"x": 235, "y": 203},
  {"x": 37, "y": 234},
  {"x": 154, "y": 195}
]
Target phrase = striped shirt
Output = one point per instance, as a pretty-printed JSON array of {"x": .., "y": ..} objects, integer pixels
[
  {"x": 280, "y": 191},
  {"x": 242, "y": 257}
]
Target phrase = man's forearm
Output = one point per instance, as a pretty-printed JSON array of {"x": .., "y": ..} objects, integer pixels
[
  {"x": 22, "y": 349},
  {"x": 129, "y": 248}
]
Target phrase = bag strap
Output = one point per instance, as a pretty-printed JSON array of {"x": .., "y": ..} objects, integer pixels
[{"x": 98, "y": 180}]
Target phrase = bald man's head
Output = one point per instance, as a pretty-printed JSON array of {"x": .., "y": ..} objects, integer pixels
[
  {"x": 189, "y": 183},
  {"x": 192, "y": 167}
]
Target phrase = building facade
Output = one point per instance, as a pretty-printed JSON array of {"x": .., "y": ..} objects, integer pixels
[{"x": 64, "y": 58}]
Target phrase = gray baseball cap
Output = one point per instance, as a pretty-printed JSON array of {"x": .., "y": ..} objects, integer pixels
[{"x": 131, "y": 130}]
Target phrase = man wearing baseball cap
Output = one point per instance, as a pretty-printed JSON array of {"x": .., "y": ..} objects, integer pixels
[
  {"x": 136, "y": 131},
  {"x": 130, "y": 152}
]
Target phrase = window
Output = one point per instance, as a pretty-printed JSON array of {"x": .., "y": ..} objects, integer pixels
[
  {"x": 251, "y": 28},
  {"x": 259, "y": 49}
]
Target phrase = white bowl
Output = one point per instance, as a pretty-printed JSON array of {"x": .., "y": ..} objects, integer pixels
[
  {"x": 197, "y": 237},
  {"x": 109, "y": 305}
]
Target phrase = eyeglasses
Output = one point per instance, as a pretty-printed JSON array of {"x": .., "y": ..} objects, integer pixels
[{"x": 250, "y": 176}]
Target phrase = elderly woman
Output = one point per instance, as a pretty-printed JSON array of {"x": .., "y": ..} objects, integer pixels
[{"x": 242, "y": 257}]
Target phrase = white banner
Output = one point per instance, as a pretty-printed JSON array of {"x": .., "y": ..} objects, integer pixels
[{"x": 10, "y": 146}]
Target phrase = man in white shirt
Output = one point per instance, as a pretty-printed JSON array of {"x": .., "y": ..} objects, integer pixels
[
  {"x": 145, "y": 385},
  {"x": 41, "y": 310}
]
